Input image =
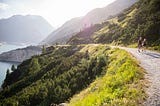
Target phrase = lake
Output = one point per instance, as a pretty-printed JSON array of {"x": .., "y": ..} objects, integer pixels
[
  {"x": 6, "y": 65},
  {"x": 3, "y": 68}
]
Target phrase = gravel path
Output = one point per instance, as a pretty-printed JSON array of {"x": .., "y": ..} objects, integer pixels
[{"x": 150, "y": 61}]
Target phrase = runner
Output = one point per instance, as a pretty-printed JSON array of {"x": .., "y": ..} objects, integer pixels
[
  {"x": 139, "y": 44},
  {"x": 144, "y": 43}
]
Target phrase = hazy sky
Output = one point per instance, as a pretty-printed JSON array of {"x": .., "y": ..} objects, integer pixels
[{"x": 56, "y": 12}]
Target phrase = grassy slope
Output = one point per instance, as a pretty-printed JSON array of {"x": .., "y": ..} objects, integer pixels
[
  {"x": 109, "y": 76},
  {"x": 55, "y": 76},
  {"x": 141, "y": 19},
  {"x": 121, "y": 85}
]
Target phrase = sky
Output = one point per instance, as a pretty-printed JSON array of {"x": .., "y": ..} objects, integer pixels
[{"x": 56, "y": 12}]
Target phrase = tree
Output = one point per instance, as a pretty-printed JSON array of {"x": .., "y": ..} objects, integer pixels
[
  {"x": 7, "y": 73},
  {"x": 5, "y": 81},
  {"x": 43, "y": 49},
  {"x": 13, "y": 68},
  {"x": 34, "y": 65}
]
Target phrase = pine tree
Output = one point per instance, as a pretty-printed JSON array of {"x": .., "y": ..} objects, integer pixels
[
  {"x": 7, "y": 73},
  {"x": 13, "y": 68},
  {"x": 43, "y": 49}
]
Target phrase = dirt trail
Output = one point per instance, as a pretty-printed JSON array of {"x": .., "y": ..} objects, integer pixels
[{"x": 150, "y": 61}]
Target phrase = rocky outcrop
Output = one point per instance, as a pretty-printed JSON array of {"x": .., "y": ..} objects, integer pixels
[
  {"x": 62, "y": 104},
  {"x": 20, "y": 55}
]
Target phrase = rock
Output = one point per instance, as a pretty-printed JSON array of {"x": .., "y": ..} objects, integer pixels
[{"x": 62, "y": 104}]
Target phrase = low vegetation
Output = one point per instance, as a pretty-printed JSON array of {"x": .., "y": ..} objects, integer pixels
[
  {"x": 122, "y": 85},
  {"x": 54, "y": 76},
  {"x": 109, "y": 76}
]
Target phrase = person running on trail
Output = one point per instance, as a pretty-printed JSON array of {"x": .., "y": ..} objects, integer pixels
[
  {"x": 139, "y": 44},
  {"x": 144, "y": 43}
]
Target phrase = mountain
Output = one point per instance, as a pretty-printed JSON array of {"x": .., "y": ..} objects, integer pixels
[
  {"x": 141, "y": 19},
  {"x": 95, "y": 16},
  {"x": 88, "y": 75},
  {"x": 64, "y": 32},
  {"x": 20, "y": 55},
  {"x": 29, "y": 29}
]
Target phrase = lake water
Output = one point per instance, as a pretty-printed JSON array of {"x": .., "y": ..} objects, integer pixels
[
  {"x": 3, "y": 68},
  {"x": 6, "y": 65}
]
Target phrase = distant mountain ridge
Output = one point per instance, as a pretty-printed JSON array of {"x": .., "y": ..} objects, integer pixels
[
  {"x": 62, "y": 34},
  {"x": 141, "y": 19},
  {"x": 30, "y": 29}
]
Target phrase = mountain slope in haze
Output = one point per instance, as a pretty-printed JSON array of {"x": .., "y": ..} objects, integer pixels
[
  {"x": 28, "y": 29},
  {"x": 142, "y": 19},
  {"x": 64, "y": 32},
  {"x": 20, "y": 55},
  {"x": 95, "y": 16}
]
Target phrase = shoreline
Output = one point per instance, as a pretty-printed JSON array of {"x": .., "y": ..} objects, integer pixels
[
  {"x": 15, "y": 62},
  {"x": 7, "y": 62}
]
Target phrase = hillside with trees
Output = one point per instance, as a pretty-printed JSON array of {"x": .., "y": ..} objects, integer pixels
[
  {"x": 57, "y": 75},
  {"x": 141, "y": 19},
  {"x": 84, "y": 74}
]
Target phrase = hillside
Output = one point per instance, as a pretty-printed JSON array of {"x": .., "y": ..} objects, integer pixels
[
  {"x": 141, "y": 19},
  {"x": 24, "y": 29},
  {"x": 20, "y": 55},
  {"x": 95, "y": 16},
  {"x": 85, "y": 74},
  {"x": 57, "y": 75}
]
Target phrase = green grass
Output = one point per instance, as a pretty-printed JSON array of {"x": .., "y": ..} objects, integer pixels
[
  {"x": 153, "y": 48},
  {"x": 101, "y": 31},
  {"x": 134, "y": 45},
  {"x": 132, "y": 13},
  {"x": 126, "y": 20},
  {"x": 122, "y": 85}
]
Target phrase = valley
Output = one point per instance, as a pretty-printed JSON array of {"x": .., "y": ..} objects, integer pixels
[{"x": 87, "y": 61}]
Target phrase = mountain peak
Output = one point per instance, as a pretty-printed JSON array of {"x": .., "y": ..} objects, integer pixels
[{"x": 30, "y": 29}]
